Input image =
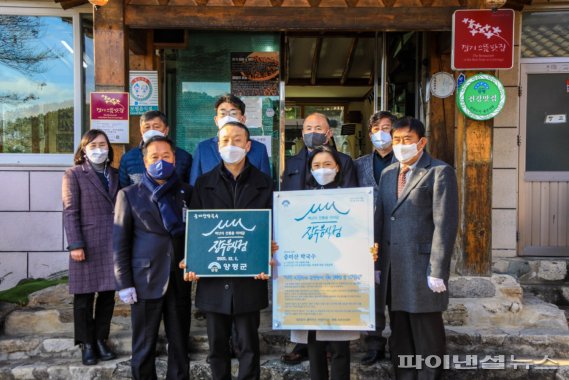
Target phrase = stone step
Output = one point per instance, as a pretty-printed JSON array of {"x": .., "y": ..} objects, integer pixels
[
  {"x": 272, "y": 369},
  {"x": 63, "y": 345},
  {"x": 460, "y": 340}
]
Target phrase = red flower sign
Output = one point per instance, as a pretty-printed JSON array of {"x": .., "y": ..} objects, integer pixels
[{"x": 483, "y": 39}]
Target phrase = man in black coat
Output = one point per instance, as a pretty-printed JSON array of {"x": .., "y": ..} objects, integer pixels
[
  {"x": 227, "y": 301},
  {"x": 315, "y": 132},
  {"x": 148, "y": 244}
]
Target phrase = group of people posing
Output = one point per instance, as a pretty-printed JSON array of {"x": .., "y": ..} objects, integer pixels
[{"x": 126, "y": 232}]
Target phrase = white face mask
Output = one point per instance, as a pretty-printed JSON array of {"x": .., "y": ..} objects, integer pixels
[
  {"x": 231, "y": 154},
  {"x": 97, "y": 155},
  {"x": 381, "y": 140},
  {"x": 324, "y": 176},
  {"x": 404, "y": 153},
  {"x": 226, "y": 119},
  {"x": 151, "y": 133}
]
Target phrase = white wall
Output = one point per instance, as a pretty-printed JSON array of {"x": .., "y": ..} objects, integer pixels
[
  {"x": 32, "y": 238},
  {"x": 505, "y": 159}
]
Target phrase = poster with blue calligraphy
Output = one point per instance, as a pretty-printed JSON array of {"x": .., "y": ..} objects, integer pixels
[
  {"x": 324, "y": 273},
  {"x": 228, "y": 243}
]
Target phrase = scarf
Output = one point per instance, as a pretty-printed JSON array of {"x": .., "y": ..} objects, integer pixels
[{"x": 165, "y": 197}]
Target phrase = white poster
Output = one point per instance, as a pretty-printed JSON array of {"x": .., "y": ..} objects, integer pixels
[
  {"x": 253, "y": 111},
  {"x": 324, "y": 273},
  {"x": 143, "y": 87}
]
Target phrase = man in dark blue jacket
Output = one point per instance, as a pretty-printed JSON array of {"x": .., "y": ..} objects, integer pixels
[
  {"x": 149, "y": 234},
  {"x": 315, "y": 132},
  {"x": 131, "y": 169},
  {"x": 206, "y": 156}
]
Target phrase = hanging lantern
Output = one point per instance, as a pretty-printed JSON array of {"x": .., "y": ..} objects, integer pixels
[{"x": 99, "y": 3}]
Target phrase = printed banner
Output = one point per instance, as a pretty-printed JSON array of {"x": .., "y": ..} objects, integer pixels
[
  {"x": 324, "y": 276},
  {"x": 255, "y": 73},
  {"x": 228, "y": 243},
  {"x": 110, "y": 113}
]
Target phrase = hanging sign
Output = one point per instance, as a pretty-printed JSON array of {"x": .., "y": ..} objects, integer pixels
[
  {"x": 482, "y": 39},
  {"x": 143, "y": 86},
  {"x": 109, "y": 113},
  {"x": 481, "y": 97}
]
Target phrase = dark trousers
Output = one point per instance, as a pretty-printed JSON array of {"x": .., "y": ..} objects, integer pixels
[
  {"x": 416, "y": 334},
  {"x": 373, "y": 339},
  {"x": 247, "y": 339},
  {"x": 90, "y": 326},
  {"x": 175, "y": 308},
  {"x": 339, "y": 360}
]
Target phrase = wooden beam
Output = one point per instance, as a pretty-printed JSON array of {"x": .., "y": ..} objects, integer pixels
[
  {"x": 474, "y": 173},
  {"x": 351, "y": 3},
  {"x": 286, "y": 58},
  {"x": 350, "y": 60},
  {"x": 315, "y": 61},
  {"x": 388, "y": 3},
  {"x": 330, "y": 34},
  {"x": 111, "y": 55},
  {"x": 68, "y": 4},
  {"x": 289, "y": 18},
  {"x": 352, "y": 82},
  {"x": 137, "y": 41}
]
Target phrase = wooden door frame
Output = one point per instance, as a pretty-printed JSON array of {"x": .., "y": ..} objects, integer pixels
[{"x": 534, "y": 66}]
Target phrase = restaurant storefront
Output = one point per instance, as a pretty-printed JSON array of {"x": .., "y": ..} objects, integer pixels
[{"x": 346, "y": 59}]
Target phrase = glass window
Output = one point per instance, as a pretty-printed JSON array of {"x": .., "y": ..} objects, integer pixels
[
  {"x": 36, "y": 84},
  {"x": 203, "y": 72},
  {"x": 545, "y": 34}
]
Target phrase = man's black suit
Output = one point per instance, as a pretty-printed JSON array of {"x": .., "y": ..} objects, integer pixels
[
  {"x": 296, "y": 172},
  {"x": 237, "y": 300},
  {"x": 146, "y": 257}
]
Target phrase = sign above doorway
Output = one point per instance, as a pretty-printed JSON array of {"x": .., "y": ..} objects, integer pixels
[{"x": 482, "y": 39}]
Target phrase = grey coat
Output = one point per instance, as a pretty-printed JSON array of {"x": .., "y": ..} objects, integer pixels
[
  {"x": 416, "y": 234},
  {"x": 364, "y": 171},
  {"x": 88, "y": 221}
]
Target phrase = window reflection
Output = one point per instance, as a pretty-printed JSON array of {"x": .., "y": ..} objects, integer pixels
[{"x": 36, "y": 84}]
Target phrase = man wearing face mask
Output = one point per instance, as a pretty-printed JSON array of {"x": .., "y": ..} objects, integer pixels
[
  {"x": 316, "y": 132},
  {"x": 237, "y": 301},
  {"x": 228, "y": 108},
  {"x": 131, "y": 168},
  {"x": 416, "y": 221},
  {"x": 369, "y": 168},
  {"x": 148, "y": 243}
]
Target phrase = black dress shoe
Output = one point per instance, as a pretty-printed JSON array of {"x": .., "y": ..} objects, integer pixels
[
  {"x": 372, "y": 356},
  {"x": 88, "y": 356},
  {"x": 105, "y": 352}
]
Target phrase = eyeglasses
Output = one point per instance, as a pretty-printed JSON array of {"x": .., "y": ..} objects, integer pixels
[{"x": 232, "y": 113}]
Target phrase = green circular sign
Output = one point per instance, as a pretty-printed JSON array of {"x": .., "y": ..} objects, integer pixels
[{"x": 481, "y": 97}]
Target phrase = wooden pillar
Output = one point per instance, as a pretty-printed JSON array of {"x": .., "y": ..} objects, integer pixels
[
  {"x": 441, "y": 111},
  {"x": 111, "y": 53},
  {"x": 474, "y": 172}
]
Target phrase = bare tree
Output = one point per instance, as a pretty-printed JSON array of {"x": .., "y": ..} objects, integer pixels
[{"x": 18, "y": 47}]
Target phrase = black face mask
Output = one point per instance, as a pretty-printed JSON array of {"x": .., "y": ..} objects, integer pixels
[{"x": 314, "y": 140}]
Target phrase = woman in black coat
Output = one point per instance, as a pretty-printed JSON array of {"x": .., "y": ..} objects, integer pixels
[{"x": 89, "y": 192}]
